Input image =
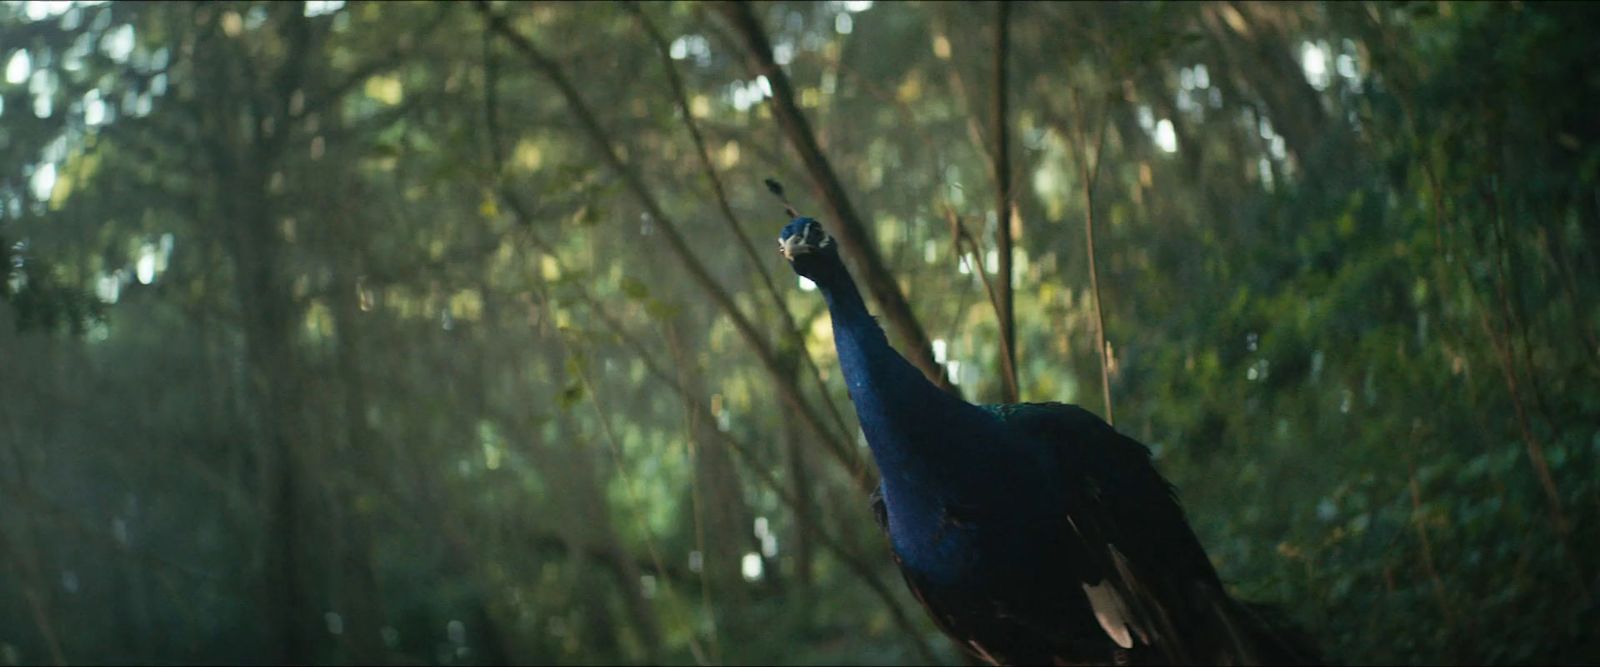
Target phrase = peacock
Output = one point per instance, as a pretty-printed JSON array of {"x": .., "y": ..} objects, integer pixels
[{"x": 1033, "y": 533}]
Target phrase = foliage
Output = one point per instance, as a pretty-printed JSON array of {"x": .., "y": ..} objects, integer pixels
[{"x": 329, "y": 335}]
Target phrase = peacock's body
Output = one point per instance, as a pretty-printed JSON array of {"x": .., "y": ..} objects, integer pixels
[{"x": 1033, "y": 533}]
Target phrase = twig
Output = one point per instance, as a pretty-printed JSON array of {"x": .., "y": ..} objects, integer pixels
[
  {"x": 491, "y": 102},
  {"x": 721, "y": 196},
  {"x": 958, "y": 235},
  {"x": 615, "y": 448},
  {"x": 36, "y": 605},
  {"x": 1004, "y": 297},
  {"x": 692, "y": 428},
  {"x": 1089, "y": 174},
  {"x": 964, "y": 100},
  {"x": 697, "y": 270},
  {"x": 850, "y": 230},
  {"x": 1531, "y": 443},
  {"x": 856, "y": 564},
  {"x": 1428, "y": 566},
  {"x": 789, "y": 325}
]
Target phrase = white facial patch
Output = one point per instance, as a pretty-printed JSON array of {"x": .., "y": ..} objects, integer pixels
[
  {"x": 792, "y": 246},
  {"x": 810, "y": 238}
]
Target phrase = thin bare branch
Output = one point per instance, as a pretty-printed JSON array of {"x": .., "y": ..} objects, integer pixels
[
  {"x": 857, "y": 564},
  {"x": 1089, "y": 174},
  {"x": 1004, "y": 297},
  {"x": 1500, "y": 346},
  {"x": 848, "y": 226},
  {"x": 797, "y": 336},
  {"x": 1421, "y": 525},
  {"x": 697, "y": 270},
  {"x": 614, "y": 446},
  {"x": 959, "y": 237}
]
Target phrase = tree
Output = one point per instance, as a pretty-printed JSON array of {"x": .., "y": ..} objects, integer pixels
[{"x": 348, "y": 333}]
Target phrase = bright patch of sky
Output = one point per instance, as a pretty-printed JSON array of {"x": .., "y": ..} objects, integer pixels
[
  {"x": 94, "y": 110},
  {"x": 39, "y": 11},
  {"x": 56, "y": 150},
  {"x": 43, "y": 181},
  {"x": 118, "y": 44},
  {"x": 1186, "y": 102},
  {"x": 154, "y": 258},
  {"x": 1191, "y": 82},
  {"x": 1345, "y": 64},
  {"x": 746, "y": 95},
  {"x": 691, "y": 46},
  {"x": 42, "y": 86},
  {"x": 843, "y": 24},
  {"x": 1166, "y": 136},
  {"x": 143, "y": 104},
  {"x": 1276, "y": 145},
  {"x": 72, "y": 58},
  {"x": 769, "y": 541},
  {"x": 856, "y": 6},
  {"x": 146, "y": 268},
  {"x": 255, "y": 18},
  {"x": 35, "y": 10},
  {"x": 750, "y": 566},
  {"x": 321, "y": 7},
  {"x": 109, "y": 287},
  {"x": 1314, "y": 60},
  {"x": 19, "y": 67}
]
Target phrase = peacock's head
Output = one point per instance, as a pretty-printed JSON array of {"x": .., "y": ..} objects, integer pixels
[{"x": 809, "y": 249}]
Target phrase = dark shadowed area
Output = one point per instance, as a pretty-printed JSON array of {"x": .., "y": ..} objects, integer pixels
[{"x": 456, "y": 333}]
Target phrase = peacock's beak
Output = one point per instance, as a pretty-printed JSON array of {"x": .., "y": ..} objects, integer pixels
[{"x": 794, "y": 245}]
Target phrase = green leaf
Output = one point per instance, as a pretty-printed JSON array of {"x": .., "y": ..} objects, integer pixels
[
  {"x": 661, "y": 310},
  {"x": 634, "y": 289},
  {"x": 571, "y": 395}
]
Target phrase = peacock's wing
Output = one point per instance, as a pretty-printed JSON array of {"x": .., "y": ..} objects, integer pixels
[
  {"x": 1140, "y": 565},
  {"x": 972, "y": 621},
  {"x": 944, "y": 618}
]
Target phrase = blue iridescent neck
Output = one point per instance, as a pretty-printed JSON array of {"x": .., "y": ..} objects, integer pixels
[
  {"x": 919, "y": 434},
  {"x": 939, "y": 455}
]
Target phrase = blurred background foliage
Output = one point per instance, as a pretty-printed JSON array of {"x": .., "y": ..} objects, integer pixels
[{"x": 331, "y": 334}]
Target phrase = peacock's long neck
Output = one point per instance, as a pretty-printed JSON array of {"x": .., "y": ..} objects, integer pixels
[
  {"x": 939, "y": 455},
  {"x": 924, "y": 439}
]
